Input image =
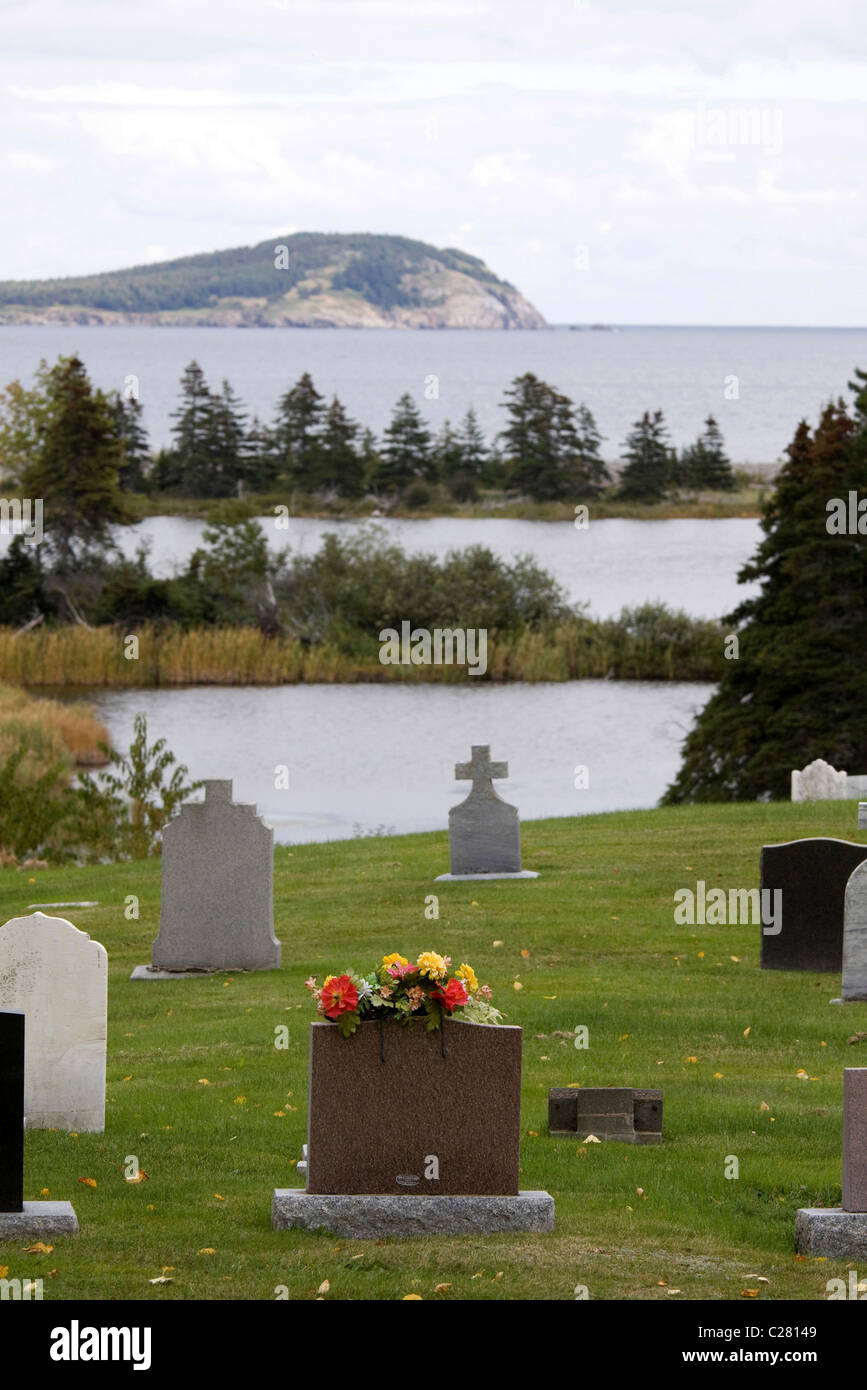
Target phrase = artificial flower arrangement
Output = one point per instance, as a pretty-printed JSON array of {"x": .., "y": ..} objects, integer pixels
[{"x": 405, "y": 992}]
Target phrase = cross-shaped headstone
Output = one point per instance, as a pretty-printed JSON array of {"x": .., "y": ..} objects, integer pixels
[{"x": 480, "y": 770}]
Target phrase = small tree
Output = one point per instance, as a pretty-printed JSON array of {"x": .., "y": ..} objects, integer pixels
[
  {"x": 590, "y": 472},
  {"x": 704, "y": 464},
  {"x": 341, "y": 465},
  {"x": 648, "y": 470},
  {"x": 406, "y": 452},
  {"x": 296, "y": 434},
  {"x": 132, "y": 475}
]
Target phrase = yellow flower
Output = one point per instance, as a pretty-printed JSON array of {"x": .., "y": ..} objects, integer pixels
[
  {"x": 432, "y": 965},
  {"x": 468, "y": 975},
  {"x": 394, "y": 959}
]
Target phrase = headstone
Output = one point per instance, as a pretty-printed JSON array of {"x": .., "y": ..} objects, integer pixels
[
  {"x": 819, "y": 781},
  {"x": 811, "y": 876},
  {"x": 855, "y": 938},
  {"x": 633, "y": 1116},
  {"x": 841, "y": 1232},
  {"x": 411, "y": 1132},
  {"x": 217, "y": 908},
  {"x": 862, "y": 815},
  {"x": 58, "y": 977},
  {"x": 484, "y": 830},
  {"x": 20, "y": 1219}
]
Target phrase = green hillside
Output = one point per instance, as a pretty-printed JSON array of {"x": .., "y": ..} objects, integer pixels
[{"x": 317, "y": 273}]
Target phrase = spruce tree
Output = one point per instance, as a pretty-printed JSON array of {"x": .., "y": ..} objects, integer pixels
[
  {"x": 127, "y": 411},
  {"x": 648, "y": 470},
  {"x": 705, "y": 464},
  {"x": 796, "y": 690},
  {"x": 341, "y": 466},
  {"x": 296, "y": 434},
  {"x": 75, "y": 468},
  {"x": 474, "y": 447},
  {"x": 590, "y": 475},
  {"x": 226, "y": 444},
  {"x": 191, "y": 463},
  {"x": 540, "y": 439},
  {"x": 406, "y": 452}
]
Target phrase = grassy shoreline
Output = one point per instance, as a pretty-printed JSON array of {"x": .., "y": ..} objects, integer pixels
[
  {"x": 172, "y": 656},
  {"x": 591, "y": 942},
  {"x": 747, "y": 501}
]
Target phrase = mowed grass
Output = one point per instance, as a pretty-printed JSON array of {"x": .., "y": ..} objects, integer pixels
[{"x": 684, "y": 1008}]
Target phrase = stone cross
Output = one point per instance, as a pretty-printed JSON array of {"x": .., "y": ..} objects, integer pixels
[
  {"x": 480, "y": 770},
  {"x": 11, "y": 1111}
]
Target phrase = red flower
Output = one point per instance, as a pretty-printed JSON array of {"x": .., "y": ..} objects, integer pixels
[
  {"x": 451, "y": 997},
  {"x": 339, "y": 996}
]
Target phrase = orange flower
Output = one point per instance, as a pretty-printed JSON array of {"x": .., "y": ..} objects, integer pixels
[{"x": 339, "y": 996}]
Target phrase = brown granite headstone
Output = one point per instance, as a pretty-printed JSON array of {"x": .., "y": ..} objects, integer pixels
[
  {"x": 387, "y": 1126},
  {"x": 631, "y": 1115},
  {"x": 855, "y": 1139}
]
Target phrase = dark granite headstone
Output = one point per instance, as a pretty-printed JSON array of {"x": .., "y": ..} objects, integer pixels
[
  {"x": 811, "y": 876},
  {"x": 387, "y": 1126},
  {"x": 11, "y": 1111},
  {"x": 609, "y": 1112}
]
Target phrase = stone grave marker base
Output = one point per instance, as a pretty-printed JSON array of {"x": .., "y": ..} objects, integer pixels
[
  {"x": 39, "y": 1219},
  {"x": 464, "y": 878},
  {"x": 831, "y": 1232},
  {"x": 150, "y": 972},
  {"x": 374, "y": 1216}
]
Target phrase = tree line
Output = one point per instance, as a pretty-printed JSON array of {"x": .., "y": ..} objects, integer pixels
[{"x": 548, "y": 450}]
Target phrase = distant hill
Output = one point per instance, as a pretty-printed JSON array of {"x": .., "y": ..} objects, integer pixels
[{"x": 310, "y": 279}]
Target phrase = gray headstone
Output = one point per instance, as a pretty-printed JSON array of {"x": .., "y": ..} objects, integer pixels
[
  {"x": 218, "y": 888},
  {"x": 855, "y": 937},
  {"x": 484, "y": 830},
  {"x": 819, "y": 781},
  {"x": 862, "y": 815}
]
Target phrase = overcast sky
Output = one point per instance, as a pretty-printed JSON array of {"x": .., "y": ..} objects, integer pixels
[{"x": 689, "y": 162}]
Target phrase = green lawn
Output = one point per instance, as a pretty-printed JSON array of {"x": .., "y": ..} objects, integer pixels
[{"x": 592, "y": 941}]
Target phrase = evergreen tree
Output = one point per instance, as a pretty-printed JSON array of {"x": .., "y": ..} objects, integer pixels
[
  {"x": 705, "y": 464},
  {"x": 474, "y": 447},
  {"x": 368, "y": 452},
  {"x": 648, "y": 470},
  {"x": 259, "y": 457},
  {"x": 191, "y": 466},
  {"x": 127, "y": 411},
  {"x": 296, "y": 434},
  {"x": 341, "y": 465},
  {"x": 796, "y": 691},
  {"x": 591, "y": 474},
  {"x": 406, "y": 452},
  {"x": 227, "y": 443},
  {"x": 75, "y": 469}
]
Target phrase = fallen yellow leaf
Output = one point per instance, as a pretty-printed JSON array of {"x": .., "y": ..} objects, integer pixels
[
  {"x": 141, "y": 1176},
  {"x": 747, "y": 1032},
  {"x": 441, "y": 1288},
  {"x": 412, "y": 1298},
  {"x": 324, "y": 1286},
  {"x": 525, "y": 954},
  {"x": 88, "y": 1182},
  {"x": 207, "y": 1250},
  {"x": 517, "y": 985},
  {"x": 763, "y": 1107},
  {"x": 749, "y": 1293},
  {"x": 218, "y": 1198},
  {"x": 160, "y": 1279},
  {"x": 497, "y": 943},
  {"x": 40, "y": 1248}
]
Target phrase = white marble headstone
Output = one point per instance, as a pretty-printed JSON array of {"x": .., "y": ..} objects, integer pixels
[
  {"x": 58, "y": 978},
  {"x": 819, "y": 781},
  {"x": 855, "y": 936}
]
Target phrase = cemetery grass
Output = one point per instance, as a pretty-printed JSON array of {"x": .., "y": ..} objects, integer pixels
[{"x": 199, "y": 1097}]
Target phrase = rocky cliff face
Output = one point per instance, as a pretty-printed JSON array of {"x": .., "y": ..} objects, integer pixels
[{"x": 336, "y": 282}]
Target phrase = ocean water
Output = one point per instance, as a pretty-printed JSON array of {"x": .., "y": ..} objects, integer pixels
[{"x": 758, "y": 382}]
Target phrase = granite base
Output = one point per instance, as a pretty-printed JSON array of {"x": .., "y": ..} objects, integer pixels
[
  {"x": 372, "y": 1217},
  {"x": 474, "y": 878},
  {"x": 39, "y": 1219},
  {"x": 831, "y": 1232}
]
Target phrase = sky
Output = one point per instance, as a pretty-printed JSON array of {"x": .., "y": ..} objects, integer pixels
[{"x": 679, "y": 163}]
